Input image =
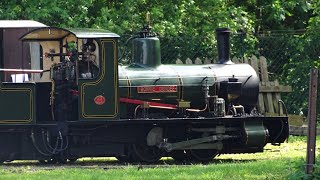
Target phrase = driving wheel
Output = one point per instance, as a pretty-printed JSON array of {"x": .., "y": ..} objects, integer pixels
[
  {"x": 146, "y": 154},
  {"x": 202, "y": 155}
]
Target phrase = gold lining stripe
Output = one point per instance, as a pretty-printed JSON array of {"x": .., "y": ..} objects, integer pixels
[
  {"x": 30, "y": 105},
  {"x": 180, "y": 90},
  {"x": 214, "y": 77},
  {"x": 103, "y": 69},
  {"x": 125, "y": 74}
]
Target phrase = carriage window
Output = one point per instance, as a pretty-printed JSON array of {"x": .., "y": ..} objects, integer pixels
[
  {"x": 88, "y": 59},
  {"x": 36, "y": 55}
]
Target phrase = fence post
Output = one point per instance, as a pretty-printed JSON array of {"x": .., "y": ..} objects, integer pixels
[{"x": 312, "y": 118}]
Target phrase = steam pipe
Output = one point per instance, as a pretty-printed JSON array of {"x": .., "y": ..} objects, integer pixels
[{"x": 223, "y": 38}]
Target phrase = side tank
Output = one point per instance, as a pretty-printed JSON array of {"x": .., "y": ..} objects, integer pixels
[{"x": 147, "y": 79}]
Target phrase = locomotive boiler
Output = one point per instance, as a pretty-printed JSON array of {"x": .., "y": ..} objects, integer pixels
[{"x": 78, "y": 102}]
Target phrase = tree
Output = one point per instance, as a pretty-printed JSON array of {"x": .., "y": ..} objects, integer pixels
[{"x": 71, "y": 13}]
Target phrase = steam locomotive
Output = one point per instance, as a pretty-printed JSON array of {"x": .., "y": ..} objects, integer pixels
[{"x": 78, "y": 102}]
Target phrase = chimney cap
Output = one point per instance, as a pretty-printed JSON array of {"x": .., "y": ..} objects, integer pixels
[{"x": 226, "y": 30}]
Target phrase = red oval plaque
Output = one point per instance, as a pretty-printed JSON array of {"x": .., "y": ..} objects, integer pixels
[{"x": 99, "y": 100}]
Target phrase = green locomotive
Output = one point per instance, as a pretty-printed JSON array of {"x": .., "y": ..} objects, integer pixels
[{"x": 78, "y": 102}]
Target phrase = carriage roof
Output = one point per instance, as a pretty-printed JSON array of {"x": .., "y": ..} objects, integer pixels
[
  {"x": 55, "y": 33},
  {"x": 20, "y": 24}
]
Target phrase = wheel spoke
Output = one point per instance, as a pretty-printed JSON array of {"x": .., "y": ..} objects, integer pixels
[
  {"x": 202, "y": 155},
  {"x": 48, "y": 161},
  {"x": 146, "y": 154}
]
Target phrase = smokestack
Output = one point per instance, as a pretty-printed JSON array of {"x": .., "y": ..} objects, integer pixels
[{"x": 223, "y": 37}]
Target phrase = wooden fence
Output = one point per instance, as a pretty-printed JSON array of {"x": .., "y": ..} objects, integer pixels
[{"x": 301, "y": 130}]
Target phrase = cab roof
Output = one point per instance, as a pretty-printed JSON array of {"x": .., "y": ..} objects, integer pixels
[
  {"x": 20, "y": 24},
  {"x": 55, "y": 33}
]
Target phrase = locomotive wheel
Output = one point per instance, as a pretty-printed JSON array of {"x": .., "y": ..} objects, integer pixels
[
  {"x": 48, "y": 161},
  {"x": 72, "y": 160},
  {"x": 146, "y": 154},
  {"x": 66, "y": 161},
  {"x": 180, "y": 155},
  {"x": 124, "y": 159},
  {"x": 62, "y": 161},
  {"x": 59, "y": 160},
  {"x": 202, "y": 155}
]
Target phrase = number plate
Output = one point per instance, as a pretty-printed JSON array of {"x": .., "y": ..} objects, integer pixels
[{"x": 157, "y": 89}]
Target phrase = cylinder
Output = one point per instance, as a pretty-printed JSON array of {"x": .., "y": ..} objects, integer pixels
[
  {"x": 223, "y": 38},
  {"x": 146, "y": 51}
]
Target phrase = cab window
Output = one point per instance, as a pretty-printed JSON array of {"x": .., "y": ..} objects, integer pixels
[{"x": 89, "y": 65}]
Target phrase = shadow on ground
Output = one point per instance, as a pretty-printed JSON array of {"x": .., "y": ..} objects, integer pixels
[{"x": 112, "y": 163}]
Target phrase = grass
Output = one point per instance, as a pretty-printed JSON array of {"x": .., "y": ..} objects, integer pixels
[
  {"x": 277, "y": 162},
  {"x": 235, "y": 170}
]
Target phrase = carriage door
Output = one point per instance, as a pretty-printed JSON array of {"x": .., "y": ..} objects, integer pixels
[{"x": 98, "y": 80}]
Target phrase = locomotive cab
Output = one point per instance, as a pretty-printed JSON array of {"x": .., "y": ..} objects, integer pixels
[{"x": 73, "y": 76}]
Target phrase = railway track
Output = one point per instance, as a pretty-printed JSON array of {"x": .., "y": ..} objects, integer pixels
[
  {"x": 95, "y": 163},
  {"x": 106, "y": 165},
  {"x": 112, "y": 163}
]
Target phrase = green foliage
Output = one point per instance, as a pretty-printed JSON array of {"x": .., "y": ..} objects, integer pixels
[
  {"x": 296, "y": 71},
  {"x": 195, "y": 19},
  {"x": 299, "y": 171},
  {"x": 278, "y": 14},
  {"x": 72, "y": 13},
  {"x": 173, "y": 22},
  {"x": 190, "y": 18}
]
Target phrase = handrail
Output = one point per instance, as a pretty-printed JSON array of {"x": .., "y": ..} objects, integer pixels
[{"x": 21, "y": 70}]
